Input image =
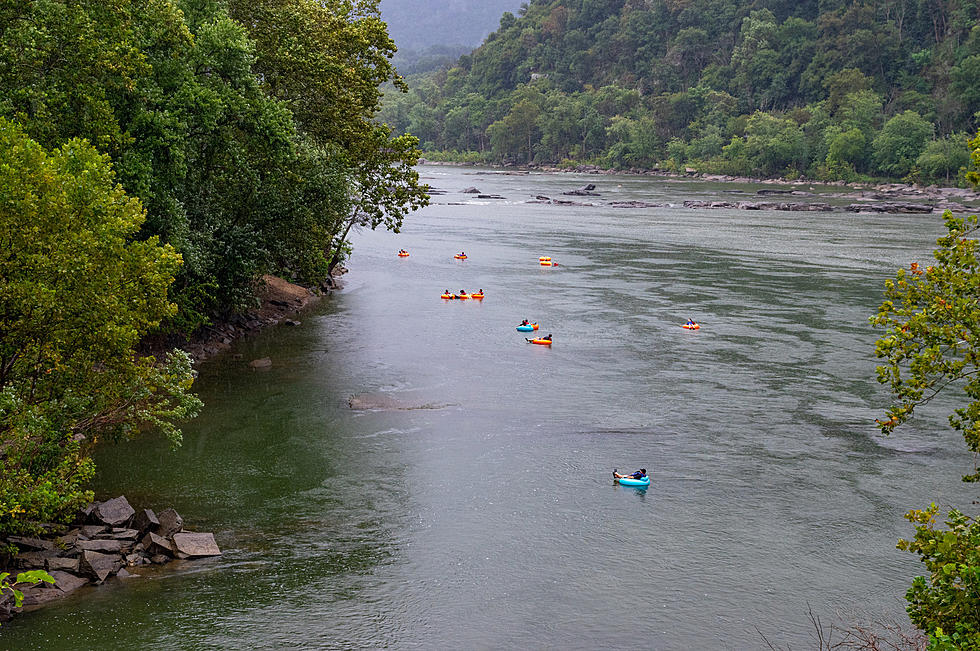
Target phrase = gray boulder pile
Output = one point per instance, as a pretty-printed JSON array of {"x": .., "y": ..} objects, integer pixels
[{"x": 108, "y": 539}]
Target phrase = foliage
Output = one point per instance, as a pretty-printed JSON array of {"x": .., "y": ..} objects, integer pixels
[
  {"x": 240, "y": 144},
  {"x": 697, "y": 73},
  {"x": 944, "y": 605},
  {"x": 329, "y": 74},
  {"x": 932, "y": 326},
  {"x": 31, "y": 577},
  {"x": 76, "y": 295},
  {"x": 930, "y": 346}
]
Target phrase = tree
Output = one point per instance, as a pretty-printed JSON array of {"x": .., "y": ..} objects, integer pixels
[
  {"x": 326, "y": 60},
  {"x": 900, "y": 142},
  {"x": 384, "y": 188},
  {"x": 943, "y": 159},
  {"x": 76, "y": 295},
  {"x": 931, "y": 346}
]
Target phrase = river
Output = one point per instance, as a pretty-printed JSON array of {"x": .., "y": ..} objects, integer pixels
[{"x": 486, "y": 517}]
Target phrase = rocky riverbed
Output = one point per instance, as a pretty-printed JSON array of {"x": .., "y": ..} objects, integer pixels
[{"x": 858, "y": 197}]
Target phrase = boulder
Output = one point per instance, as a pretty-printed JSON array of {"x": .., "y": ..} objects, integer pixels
[
  {"x": 160, "y": 559},
  {"x": 584, "y": 191},
  {"x": 62, "y": 564},
  {"x": 145, "y": 520},
  {"x": 195, "y": 545},
  {"x": 471, "y": 191},
  {"x": 42, "y": 593},
  {"x": 170, "y": 523},
  {"x": 99, "y": 566},
  {"x": 92, "y": 530},
  {"x": 67, "y": 582},
  {"x": 30, "y": 543},
  {"x": 124, "y": 534},
  {"x": 34, "y": 560},
  {"x": 114, "y": 512},
  {"x": 154, "y": 545},
  {"x": 104, "y": 546}
]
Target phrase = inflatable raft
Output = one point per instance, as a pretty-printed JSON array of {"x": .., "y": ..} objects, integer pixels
[
  {"x": 530, "y": 327},
  {"x": 636, "y": 483},
  {"x": 541, "y": 342},
  {"x": 692, "y": 326}
]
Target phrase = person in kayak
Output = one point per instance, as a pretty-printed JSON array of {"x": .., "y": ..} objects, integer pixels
[{"x": 639, "y": 474}]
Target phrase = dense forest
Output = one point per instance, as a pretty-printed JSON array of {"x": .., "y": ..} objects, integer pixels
[
  {"x": 158, "y": 157},
  {"x": 828, "y": 89}
]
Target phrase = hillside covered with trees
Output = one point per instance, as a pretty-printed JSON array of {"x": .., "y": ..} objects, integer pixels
[{"x": 829, "y": 89}]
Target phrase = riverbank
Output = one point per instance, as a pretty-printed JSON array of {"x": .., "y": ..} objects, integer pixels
[
  {"x": 111, "y": 538},
  {"x": 278, "y": 301},
  {"x": 864, "y": 196},
  {"x": 107, "y": 539}
]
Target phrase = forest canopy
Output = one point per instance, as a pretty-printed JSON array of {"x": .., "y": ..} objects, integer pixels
[{"x": 831, "y": 90}]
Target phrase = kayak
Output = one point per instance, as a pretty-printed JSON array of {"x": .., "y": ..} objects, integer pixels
[
  {"x": 636, "y": 483},
  {"x": 541, "y": 342},
  {"x": 530, "y": 327}
]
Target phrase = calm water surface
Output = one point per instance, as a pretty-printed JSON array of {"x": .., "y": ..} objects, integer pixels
[{"x": 487, "y": 518}]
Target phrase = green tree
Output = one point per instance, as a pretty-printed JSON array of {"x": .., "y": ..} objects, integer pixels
[
  {"x": 943, "y": 159},
  {"x": 77, "y": 293},
  {"x": 900, "y": 142},
  {"x": 774, "y": 144},
  {"x": 945, "y": 605},
  {"x": 930, "y": 346}
]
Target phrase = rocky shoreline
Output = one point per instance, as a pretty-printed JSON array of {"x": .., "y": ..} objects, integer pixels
[
  {"x": 107, "y": 539},
  {"x": 895, "y": 198}
]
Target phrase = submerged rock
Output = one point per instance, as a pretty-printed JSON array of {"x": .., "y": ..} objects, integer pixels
[{"x": 195, "y": 545}]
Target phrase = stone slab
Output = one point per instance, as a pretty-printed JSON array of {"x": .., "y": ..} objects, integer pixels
[
  {"x": 104, "y": 546},
  {"x": 196, "y": 545},
  {"x": 67, "y": 582},
  {"x": 62, "y": 564},
  {"x": 154, "y": 544},
  {"x": 145, "y": 520}
]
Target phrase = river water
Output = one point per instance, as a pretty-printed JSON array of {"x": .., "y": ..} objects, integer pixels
[{"x": 485, "y": 517}]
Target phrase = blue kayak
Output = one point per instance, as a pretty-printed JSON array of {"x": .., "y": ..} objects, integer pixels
[
  {"x": 527, "y": 328},
  {"x": 636, "y": 483}
]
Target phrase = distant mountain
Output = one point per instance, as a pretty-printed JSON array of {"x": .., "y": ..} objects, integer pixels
[{"x": 418, "y": 25}]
